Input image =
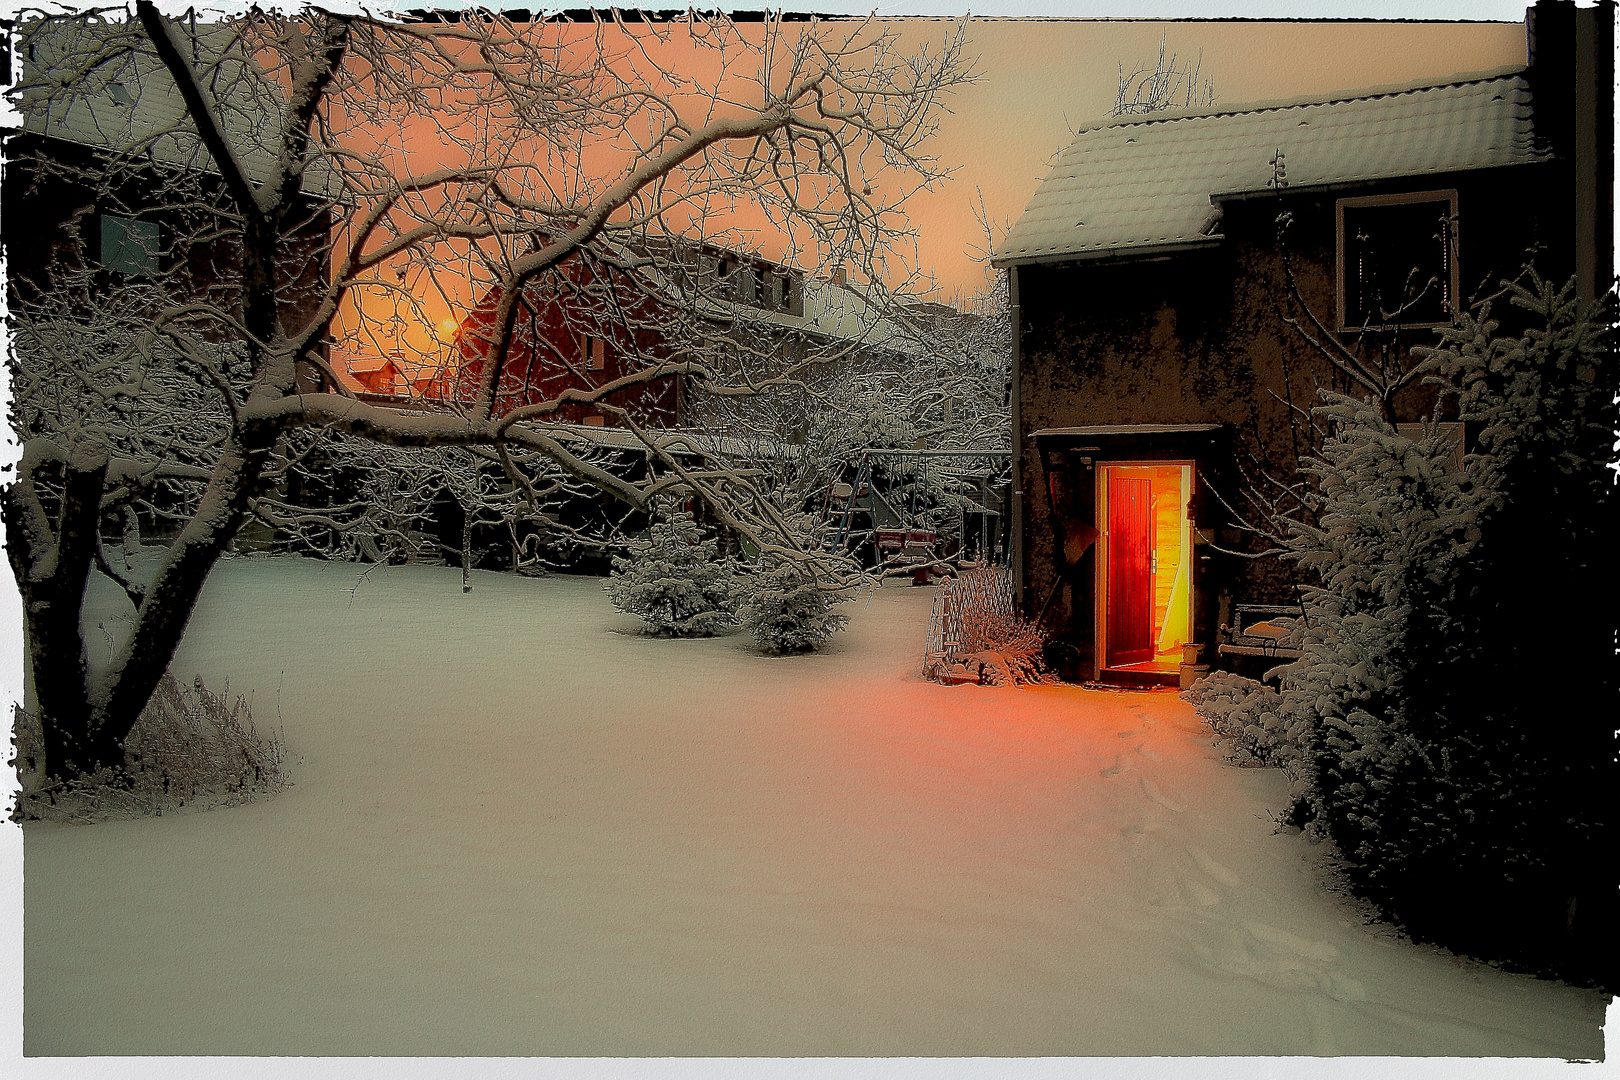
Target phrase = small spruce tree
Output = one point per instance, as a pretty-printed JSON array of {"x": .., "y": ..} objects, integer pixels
[
  {"x": 675, "y": 580},
  {"x": 789, "y": 610}
]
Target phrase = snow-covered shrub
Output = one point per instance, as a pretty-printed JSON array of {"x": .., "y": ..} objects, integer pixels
[
  {"x": 789, "y": 609},
  {"x": 1467, "y": 789},
  {"x": 675, "y": 580},
  {"x": 190, "y": 749},
  {"x": 1394, "y": 522},
  {"x": 1263, "y": 727}
]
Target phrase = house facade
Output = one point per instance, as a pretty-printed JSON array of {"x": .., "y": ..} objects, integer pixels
[
  {"x": 583, "y": 328},
  {"x": 109, "y": 188},
  {"x": 1185, "y": 283},
  {"x": 596, "y": 322}
]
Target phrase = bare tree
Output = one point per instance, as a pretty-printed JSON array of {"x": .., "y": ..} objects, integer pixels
[
  {"x": 1167, "y": 85},
  {"x": 254, "y": 177}
]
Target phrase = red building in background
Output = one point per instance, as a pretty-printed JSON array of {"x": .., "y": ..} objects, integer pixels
[
  {"x": 593, "y": 324},
  {"x": 575, "y": 335}
]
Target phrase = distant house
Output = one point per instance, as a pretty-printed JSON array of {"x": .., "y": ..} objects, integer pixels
[
  {"x": 380, "y": 375},
  {"x": 389, "y": 379},
  {"x": 107, "y": 178},
  {"x": 595, "y": 323},
  {"x": 1155, "y": 379},
  {"x": 582, "y": 329}
]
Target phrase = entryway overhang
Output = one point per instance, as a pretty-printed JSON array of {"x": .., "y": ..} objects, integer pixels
[{"x": 1112, "y": 433}]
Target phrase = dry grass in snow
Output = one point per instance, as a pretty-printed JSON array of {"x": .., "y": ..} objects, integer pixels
[{"x": 190, "y": 750}]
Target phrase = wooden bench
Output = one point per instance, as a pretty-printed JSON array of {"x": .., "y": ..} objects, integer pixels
[{"x": 1254, "y": 633}]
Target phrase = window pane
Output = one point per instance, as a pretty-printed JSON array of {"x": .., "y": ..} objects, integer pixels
[
  {"x": 129, "y": 246},
  {"x": 1397, "y": 264}
]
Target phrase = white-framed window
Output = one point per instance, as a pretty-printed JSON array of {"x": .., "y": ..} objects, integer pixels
[
  {"x": 129, "y": 246},
  {"x": 1397, "y": 261}
]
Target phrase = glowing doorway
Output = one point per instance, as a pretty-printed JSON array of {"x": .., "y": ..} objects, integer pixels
[{"x": 1144, "y": 575}]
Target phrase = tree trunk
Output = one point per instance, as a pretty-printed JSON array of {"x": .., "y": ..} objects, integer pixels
[
  {"x": 161, "y": 620},
  {"x": 51, "y": 577},
  {"x": 466, "y": 550}
]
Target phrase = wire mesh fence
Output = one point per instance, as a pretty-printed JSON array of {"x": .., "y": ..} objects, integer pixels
[{"x": 977, "y": 634}]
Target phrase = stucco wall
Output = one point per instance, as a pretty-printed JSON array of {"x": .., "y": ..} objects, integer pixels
[{"x": 1200, "y": 338}]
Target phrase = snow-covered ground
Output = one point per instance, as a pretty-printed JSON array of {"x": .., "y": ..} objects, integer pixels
[{"x": 518, "y": 827}]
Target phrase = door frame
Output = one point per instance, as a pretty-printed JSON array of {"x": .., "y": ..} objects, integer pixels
[{"x": 1100, "y": 587}]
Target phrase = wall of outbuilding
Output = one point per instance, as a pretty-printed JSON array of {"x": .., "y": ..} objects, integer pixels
[{"x": 1200, "y": 337}]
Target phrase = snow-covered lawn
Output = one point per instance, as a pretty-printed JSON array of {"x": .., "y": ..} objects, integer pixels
[{"x": 520, "y": 828}]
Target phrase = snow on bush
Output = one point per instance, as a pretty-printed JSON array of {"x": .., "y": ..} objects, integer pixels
[
  {"x": 675, "y": 580},
  {"x": 977, "y": 627},
  {"x": 790, "y": 610},
  {"x": 1394, "y": 521},
  {"x": 1430, "y": 753},
  {"x": 1263, "y": 727},
  {"x": 188, "y": 750}
]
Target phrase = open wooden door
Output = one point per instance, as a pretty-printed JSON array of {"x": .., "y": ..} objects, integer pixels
[{"x": 1130, "y": 571}]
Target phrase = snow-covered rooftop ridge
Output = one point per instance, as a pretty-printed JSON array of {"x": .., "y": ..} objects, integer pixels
[
  {"x": 102, "y": 85},
  {"x": 1101, "y": 430},
  {"x": 1152, "y": 181},
  {"x": 831, "y": 310},
  {"x": 1268, "y": 104},
  {"x": 675, "y": 440}
]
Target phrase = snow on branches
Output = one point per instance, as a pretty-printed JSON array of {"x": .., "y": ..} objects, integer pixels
[
  {"x": 675, "y": 580},
  {"x": 1431, "y": 750},
  {"x": 222, "y": 202}
]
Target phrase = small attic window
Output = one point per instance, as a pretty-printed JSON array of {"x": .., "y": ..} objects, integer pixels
[
  {"x": 1397, "y": 261},
  {"x": 119, "y": 95},
  {"x": 129, "y": 246}
]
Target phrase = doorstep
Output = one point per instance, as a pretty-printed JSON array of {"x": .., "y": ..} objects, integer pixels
[{"x": 1142, "y": 676}]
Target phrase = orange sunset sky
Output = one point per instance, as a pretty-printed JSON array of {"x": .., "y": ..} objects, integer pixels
[{"x": 1041, "y": 78}]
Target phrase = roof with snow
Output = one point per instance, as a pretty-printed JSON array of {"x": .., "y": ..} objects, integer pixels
[
  {"x": 1153, "y": 181},
  {"x": 842, "y": 311},
  {"x": 102, "y": 85},
  {"x": 838, "y": 311},
  {"x": 372, "y": 363},
  {"x": 675, "y": 441},
  {"x": 1106, "y": 430}
]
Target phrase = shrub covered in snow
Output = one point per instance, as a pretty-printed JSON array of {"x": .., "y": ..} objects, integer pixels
[
  {"x": 1263, "y": 726},
  {"x": 675, "y": 580},
  {"x": 1469, "y": 792},
  {"x": 1394, "y": 523},
  {"x": 789, "y": 610},
  {"x": 977, "y": 628}
]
